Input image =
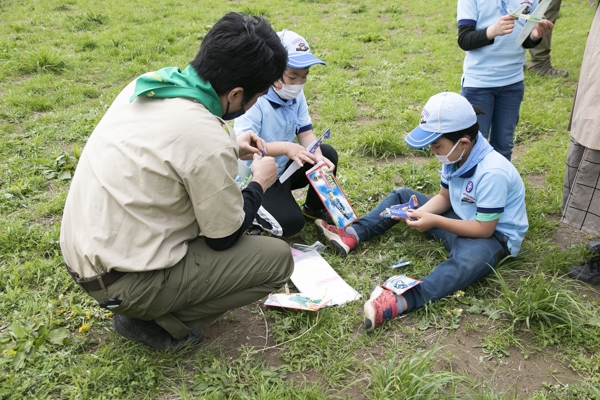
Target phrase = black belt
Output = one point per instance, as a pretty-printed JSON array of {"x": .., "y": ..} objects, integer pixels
[{"x": 92, "y": 284}]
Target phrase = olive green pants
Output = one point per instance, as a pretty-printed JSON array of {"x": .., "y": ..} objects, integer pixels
[
  {"x": 204, "y": 284},
  {"x": 540, "y": 54}
]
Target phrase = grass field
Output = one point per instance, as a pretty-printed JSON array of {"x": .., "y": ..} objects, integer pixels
[{"x": 525, "y": 332}]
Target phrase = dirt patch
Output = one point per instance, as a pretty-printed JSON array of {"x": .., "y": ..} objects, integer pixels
[
  {"x": 536, "y": 181},
  {"x": 515, "y": 375},
  {"x": 567, "y": 236}
]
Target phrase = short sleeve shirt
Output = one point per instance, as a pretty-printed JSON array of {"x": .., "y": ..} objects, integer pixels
[
  {"x": 274, "y": 122},
  {"x": 500, "y": 63},
  {"x": 493, "y": 186}
]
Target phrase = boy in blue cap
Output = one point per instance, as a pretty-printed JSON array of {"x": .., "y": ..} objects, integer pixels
[
  {"x": 479, "y": 213},
  {"x": 279, "y": 117}
]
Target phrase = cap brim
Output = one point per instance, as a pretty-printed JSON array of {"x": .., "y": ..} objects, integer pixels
[
  {"x": 419, "y": 138},
  {"x": 303, "y": 61}
]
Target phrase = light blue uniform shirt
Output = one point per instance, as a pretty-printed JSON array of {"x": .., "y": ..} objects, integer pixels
[
  {"x": 493, "y": 186},
  {"x": 500, "y": 63},
  {"x": 273, "y": 123}
]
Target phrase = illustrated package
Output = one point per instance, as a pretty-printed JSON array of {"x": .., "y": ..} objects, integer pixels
[
  {"x": 400, "y": 283},
  {"x": 330, "y": 192}
]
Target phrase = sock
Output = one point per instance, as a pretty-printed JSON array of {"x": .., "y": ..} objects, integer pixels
[
  {"x": 350, "y": 230},
  {"x": 400, "y": 303}
]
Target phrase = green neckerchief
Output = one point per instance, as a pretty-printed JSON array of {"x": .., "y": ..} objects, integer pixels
[{"x": 171, "y": 82}]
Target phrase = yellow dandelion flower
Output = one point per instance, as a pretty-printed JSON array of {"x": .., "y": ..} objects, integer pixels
[
  {"x": 9, "y": 352},
  {"x": 84, "y": 328}
]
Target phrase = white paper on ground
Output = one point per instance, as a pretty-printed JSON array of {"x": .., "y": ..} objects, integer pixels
[{"x": 315, "y": 278}]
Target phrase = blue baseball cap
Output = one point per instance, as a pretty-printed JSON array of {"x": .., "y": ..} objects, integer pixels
[
  {"x": 445, "y": 112},
  {"x": 299, "y": 54}
]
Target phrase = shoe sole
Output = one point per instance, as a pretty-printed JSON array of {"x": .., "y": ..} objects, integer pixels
[
  {"x": 369, "y": 311},
  {"x": 338, "y": 248}
]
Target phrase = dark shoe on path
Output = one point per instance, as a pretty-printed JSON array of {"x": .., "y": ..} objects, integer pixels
[
  {"x": 151, "y": 334},
  {"x": 546, "y": 69},
  {"x": 594, "y": 246},
  {"x": 588, "y": 272}
]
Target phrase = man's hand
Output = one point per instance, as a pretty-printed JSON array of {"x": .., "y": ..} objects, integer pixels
[
  {"x": 264, "y": 171},
  {"x": 541, "y": 30},
  {"x": 249, "y": 144},
  {"x": 504, "y": 26}
]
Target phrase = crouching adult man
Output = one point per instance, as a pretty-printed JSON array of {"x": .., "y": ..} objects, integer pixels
[{"x": 154, "y": 219}]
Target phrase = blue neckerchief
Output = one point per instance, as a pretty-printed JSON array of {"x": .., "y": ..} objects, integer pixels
[
  {"x": 481, "y": 149},
  {"x": 502, "y": 7},
  {"x": 271, "y": 95}
]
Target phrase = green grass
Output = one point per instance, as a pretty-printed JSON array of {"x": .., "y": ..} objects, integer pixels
[{"x": 62, "y": 62}]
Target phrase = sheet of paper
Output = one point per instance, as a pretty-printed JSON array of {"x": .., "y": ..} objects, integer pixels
[
  {"x": 315, "y": 278},
  {"x": 295, "y": 301}
]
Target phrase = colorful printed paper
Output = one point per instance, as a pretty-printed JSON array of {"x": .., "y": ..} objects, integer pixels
[{"x": 400, "y": 283}]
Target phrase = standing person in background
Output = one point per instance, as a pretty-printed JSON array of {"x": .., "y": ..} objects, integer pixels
[
  {"x": 581, "y": 191},
  {"x": 540, "y": 54},
  {"x": 493, "y": 67}
]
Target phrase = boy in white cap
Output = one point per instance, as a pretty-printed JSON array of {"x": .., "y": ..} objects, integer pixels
[
  {"x": 280, "y": 117},
  {"x": 479, "y": 214}
]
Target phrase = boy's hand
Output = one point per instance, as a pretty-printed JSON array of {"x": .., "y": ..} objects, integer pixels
[
  {"x": 264, "y": 171},
  {"x": 330, "y": 165},
  {"x": 541, "y": 30},
  {"x": 299, "y": 154},
  {"x": 250, "y": 143},
  {"x": 421, "y": 221},
  {"x": 504, "y": 26}
]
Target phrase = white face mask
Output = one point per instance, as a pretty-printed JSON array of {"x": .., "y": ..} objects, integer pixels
[
  {"x": 445, "y": 160},
  {"x": 288, "y": 92}
]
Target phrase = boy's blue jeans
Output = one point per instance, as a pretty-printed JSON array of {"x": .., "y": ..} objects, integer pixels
[
  {"x": 501, "y": 106},
  {"x": 469, "y": 259}
]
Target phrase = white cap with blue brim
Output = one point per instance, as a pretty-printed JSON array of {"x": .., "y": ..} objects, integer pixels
[
  {"x": 445, "y": 112},
  {"x": 299, "y": 54}
]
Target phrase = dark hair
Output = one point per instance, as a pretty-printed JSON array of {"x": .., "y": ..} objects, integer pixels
[
  {"x": 470, "y": 132},
  {"x": 241, "y": 51}
]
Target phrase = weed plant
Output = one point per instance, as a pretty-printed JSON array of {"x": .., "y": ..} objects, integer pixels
[{"x": 62, "y": 62}]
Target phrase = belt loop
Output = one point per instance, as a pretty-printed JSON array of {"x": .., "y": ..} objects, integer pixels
[{"x": 101, "y": 282}]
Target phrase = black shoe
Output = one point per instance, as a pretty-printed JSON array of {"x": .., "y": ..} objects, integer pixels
[
  {"x": 316, "y": 214},
  {"x": 594, "y": 246},
  {"x": 255, "y": 230},
  {"x": 151, "y": 334},
  {"x": 588, "y": 272}
]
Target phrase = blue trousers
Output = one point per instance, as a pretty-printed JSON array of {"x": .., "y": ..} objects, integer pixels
[
  {"x": 501, "y": 106},
  {"x": 469, "y": 259}
]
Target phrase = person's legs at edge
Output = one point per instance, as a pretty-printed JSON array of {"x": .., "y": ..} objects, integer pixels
[
  {"x": 485, "y": 99},
  {"x": 506, "y": 117},
  {"x": 540, "y": 55}
]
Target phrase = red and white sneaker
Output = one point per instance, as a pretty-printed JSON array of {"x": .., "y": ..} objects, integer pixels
[
  {"x": 341, "y": 241},
  {"x": 380, "y": 307}
]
